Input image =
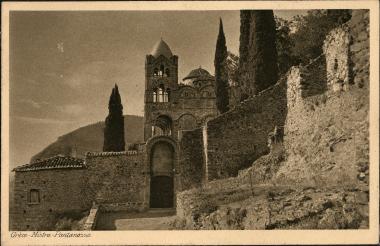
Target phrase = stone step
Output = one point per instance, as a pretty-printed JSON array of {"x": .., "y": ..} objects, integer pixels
[{"x": 161, "y": 210}]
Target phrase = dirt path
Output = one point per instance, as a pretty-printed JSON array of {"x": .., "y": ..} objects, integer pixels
[{"x": 159, "y": 219}]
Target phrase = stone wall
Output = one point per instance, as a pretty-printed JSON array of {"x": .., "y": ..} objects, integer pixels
[
  {"x": 336, "y": 49},
  {"x": 359, "y": 48},
  {"x": 191, "y": 159},
  {"x": 114, "y": 180},
  {"x": 325, "y": 144},
  {"x": 61, "y": 191},
  {"x": 347, "y": 53},
  {"x": 239, "y": 136},
  {"x": 326, "y": 135},
  {"x": 117, "y": 180}
]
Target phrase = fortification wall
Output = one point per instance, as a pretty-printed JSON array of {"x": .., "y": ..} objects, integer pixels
[
  {"x": 60, "y": 191},
  {"x": 359, "y": 48},
  {"x": 191, "y": 159},
  {"x": 238, "y": 137},
  {"x": 326, "y": 140},
  {"x": 117, "y": 181},
  {"x": 325, "y": 144},
  {"x": 326, "y": 135}
]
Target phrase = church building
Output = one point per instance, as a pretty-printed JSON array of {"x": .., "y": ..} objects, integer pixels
[{"x": 134, "y": 180}]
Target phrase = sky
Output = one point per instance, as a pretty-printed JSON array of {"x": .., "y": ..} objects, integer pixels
[{"x": 63, "y": 65}]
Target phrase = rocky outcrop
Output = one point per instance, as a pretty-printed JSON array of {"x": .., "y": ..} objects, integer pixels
[{"x": 271, "y": 207}]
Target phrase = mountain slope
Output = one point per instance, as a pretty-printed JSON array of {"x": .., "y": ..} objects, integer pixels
[{"x": 90, "y": 138}]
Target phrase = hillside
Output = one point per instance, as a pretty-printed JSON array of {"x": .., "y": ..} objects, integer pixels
[{"x": 90, "y": 138}]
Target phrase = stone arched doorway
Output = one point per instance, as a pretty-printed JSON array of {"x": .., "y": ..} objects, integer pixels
[{"x": 162, "y": 179}]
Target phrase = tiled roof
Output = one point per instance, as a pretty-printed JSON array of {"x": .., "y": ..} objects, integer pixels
[{"x": 56, "y": 162}]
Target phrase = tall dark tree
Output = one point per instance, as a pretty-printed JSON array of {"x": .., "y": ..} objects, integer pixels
[
  {"x": 114, "y": 125},
  {"x": 221, "y": 74},
  {"x": 263, "y": 52},
  {"x": 285, "y": 59},
  {"x": 245, "y": 23}
]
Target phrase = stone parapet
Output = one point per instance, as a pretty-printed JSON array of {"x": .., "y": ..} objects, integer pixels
[{"x": 105, "y": 154}]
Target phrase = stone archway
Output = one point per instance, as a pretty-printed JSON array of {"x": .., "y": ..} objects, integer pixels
[{"x": 162, "y": 178}]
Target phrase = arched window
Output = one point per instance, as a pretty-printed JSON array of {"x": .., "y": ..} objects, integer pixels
[
  {"x": 168, "y": 94},
  {"x": 160, "y": 95},
  {"x": 162, "y": 126},
  {"x": 155, "y": 72},
  {"x": 34, "y": 196},
  {"x": 162, "y": 70},
  {"x": 167, "y": 72},
  {"x": 155, "y": 95}
]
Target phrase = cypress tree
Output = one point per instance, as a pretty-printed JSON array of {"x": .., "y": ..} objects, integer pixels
[
  {"x": 262, "y": 51},
  {"x": 114, "y": 125},
  {"x": 221, "y": 75},
  {"x": 245, "y": 21}
]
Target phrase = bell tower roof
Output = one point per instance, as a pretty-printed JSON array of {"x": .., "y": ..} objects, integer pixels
[{"x": 161, "y": 48}]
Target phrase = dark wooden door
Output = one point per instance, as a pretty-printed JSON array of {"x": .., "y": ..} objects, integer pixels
[{"x": 161, "y": 192}]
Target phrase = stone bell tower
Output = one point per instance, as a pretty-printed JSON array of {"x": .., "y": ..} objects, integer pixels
[{"x": 161, "y": 79}]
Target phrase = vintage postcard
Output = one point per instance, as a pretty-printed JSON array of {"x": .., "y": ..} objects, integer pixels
[{"x": 190, "y": 123}]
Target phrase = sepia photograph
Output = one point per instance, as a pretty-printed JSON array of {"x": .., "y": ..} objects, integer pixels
[{"x": 186, "y": 120}]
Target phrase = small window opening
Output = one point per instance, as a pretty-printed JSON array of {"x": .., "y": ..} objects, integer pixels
[
  {"x": 160, "y": 96},
  {"x": 155, "y": 72},
  {"x": 34, "y": 196},
  {"x": 155, "y": 95},
  {"x": 162, "y": 71},
  {"x": 335, "y": 64},
  {"x": 168, "y": 94},
  {"x": 167, "y": 72}
]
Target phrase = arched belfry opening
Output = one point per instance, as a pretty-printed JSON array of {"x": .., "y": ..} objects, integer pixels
[
  {"x": 162, "y": 178},
  {"x": 162, "y": 126}
]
